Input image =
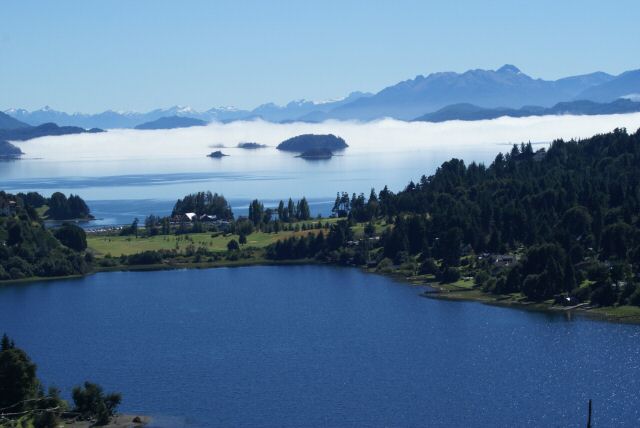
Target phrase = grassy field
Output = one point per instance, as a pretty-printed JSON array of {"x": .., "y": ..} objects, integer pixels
[
  {"x": 119, "y": 245},
  {"x": 126, "y": 245}
]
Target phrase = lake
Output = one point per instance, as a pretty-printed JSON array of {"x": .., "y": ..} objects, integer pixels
[
  {"x": 320, "y": 346},
  {"x": 127, "y": 173}
]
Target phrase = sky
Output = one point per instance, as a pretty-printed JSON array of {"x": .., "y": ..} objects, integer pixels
[{"x": 90, "y": 56}]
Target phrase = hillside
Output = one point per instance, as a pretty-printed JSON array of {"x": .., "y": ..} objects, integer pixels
[
  {"x": 625, "y": 85},
  {"x": 8, "y": 122},
  {"x": 473, "y": 112},
  {"x": 171, "y": 122},
  {"x": 9, "y": 151},
  {"x": 47, "y": 129},
  {"x": 505, "y": 87}
]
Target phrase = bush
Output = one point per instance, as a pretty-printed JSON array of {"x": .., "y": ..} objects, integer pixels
[
  {"x": 233, "y": 245},
  {"x": 449, "y": 274},
  {"x": 72, "y": 236},
  {"x": 429, "y": 266},
  {"x": 90, "y": 402},
  {"x": 145, "y": 258}
]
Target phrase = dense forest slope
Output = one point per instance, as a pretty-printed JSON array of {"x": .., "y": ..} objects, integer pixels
[
  {"x": 544, "y": 224},
  {"x": 28, "y": 249}
]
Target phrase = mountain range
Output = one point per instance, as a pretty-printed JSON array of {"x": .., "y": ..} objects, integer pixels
[
  {"x": 504, "y": 88},
  {"x": 465, "y": 111}
]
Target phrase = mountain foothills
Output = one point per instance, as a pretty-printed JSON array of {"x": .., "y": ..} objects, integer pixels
[
  {"x": 472, "y": 112},
  {"x": 15, "y": 130},
  {"x": 504, "y": 88},
  {"x": 171, "y": 122},
  {"x": 534, "y": 226}
]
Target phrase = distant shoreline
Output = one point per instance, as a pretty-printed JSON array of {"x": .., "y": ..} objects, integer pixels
[{"x": 623, "y": 315}]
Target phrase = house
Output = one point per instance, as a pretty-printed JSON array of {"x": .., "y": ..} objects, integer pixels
[
  {"x": 208, "y": 217},
  {"x": 190, "y": 216},
  {"x": 503, "y": 260},
  {"x": 8, "y": 208}
]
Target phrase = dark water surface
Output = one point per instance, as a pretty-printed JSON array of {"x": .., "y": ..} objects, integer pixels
[{"x": 320, "y": 346}]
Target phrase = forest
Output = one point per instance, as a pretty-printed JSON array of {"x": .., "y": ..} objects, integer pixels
[
  {"x": 29, "y": 249},
  {"x": 546, "y": 223}
]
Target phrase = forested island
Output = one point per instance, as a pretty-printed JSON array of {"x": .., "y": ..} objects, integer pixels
[
  {"x": 216, "y": 155},
  {"x": 251, "y": 145},
  {"x": 306, "y": 142},
  {"x": 556, "y": 227}
]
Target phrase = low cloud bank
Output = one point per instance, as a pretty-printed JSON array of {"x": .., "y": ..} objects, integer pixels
[{"x": 386, "y": 135}]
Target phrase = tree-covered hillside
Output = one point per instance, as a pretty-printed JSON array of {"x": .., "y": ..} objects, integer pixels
[
  {"x": 559, "y": 222},
  {"x": 28, "y": 249}
]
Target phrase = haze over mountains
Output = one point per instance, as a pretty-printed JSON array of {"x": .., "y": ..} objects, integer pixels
[{"x": 505, "y": 88}]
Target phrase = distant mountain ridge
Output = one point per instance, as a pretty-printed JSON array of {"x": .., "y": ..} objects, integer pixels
[
  {"x": 171, "y": 122},
  {"x": 507, "y": 87},
  {"x": 8, "y": 122},
  {"x": 46, "y": 129},
  {"x": 465, "y": 111},
  {"x": 111, "y": 119}
]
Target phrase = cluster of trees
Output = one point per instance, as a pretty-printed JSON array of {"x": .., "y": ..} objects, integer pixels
[
  {"x": 22, "y": 395},
  {"x": 357, "y": 207},
  {"x": 288, "y": 213},
  {"x": 204, "y": 203},
  {"x": 59, "y": 206},
  {"x": 63, "y": 208},
  {"x": 313, "y": 244},
  {"x": 28, "y": 249},
  {"x": 259, "y": 218}
]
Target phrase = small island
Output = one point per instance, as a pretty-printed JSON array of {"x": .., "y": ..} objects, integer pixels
[
  {"x": 316, "y": 154},
  {"x": 216, "y": 155},
  {"x": 306, "y": 142},
  {"x": 9, "y": 151},
  {"x": 251, "y": 145}
]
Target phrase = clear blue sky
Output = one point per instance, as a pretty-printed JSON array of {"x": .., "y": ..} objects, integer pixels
[{"x": 137, "y": 55}]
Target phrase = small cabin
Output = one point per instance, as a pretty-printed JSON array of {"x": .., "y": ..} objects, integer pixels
[
  {"x": 503, "y": 260},
  {"x": 8, "y": 208},
  {"x": 190, "y": 216}
]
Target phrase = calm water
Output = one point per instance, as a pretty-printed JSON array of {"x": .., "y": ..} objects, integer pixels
[
  {"x": 151, "y": 169},
  {"x": 320, "y": 346}
]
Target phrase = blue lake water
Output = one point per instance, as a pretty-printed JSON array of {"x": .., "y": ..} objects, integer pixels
[
  {"x": 119, "y": 191},
  {"x": 322, "y": 347}
]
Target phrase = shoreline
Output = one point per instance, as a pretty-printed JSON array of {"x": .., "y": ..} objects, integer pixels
[
  {"x": 606, "y": 313},
  {"x": 621, "y": 315}
]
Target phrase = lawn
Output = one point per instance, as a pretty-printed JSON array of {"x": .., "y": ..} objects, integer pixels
[{"x": 118, "y": 245}]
